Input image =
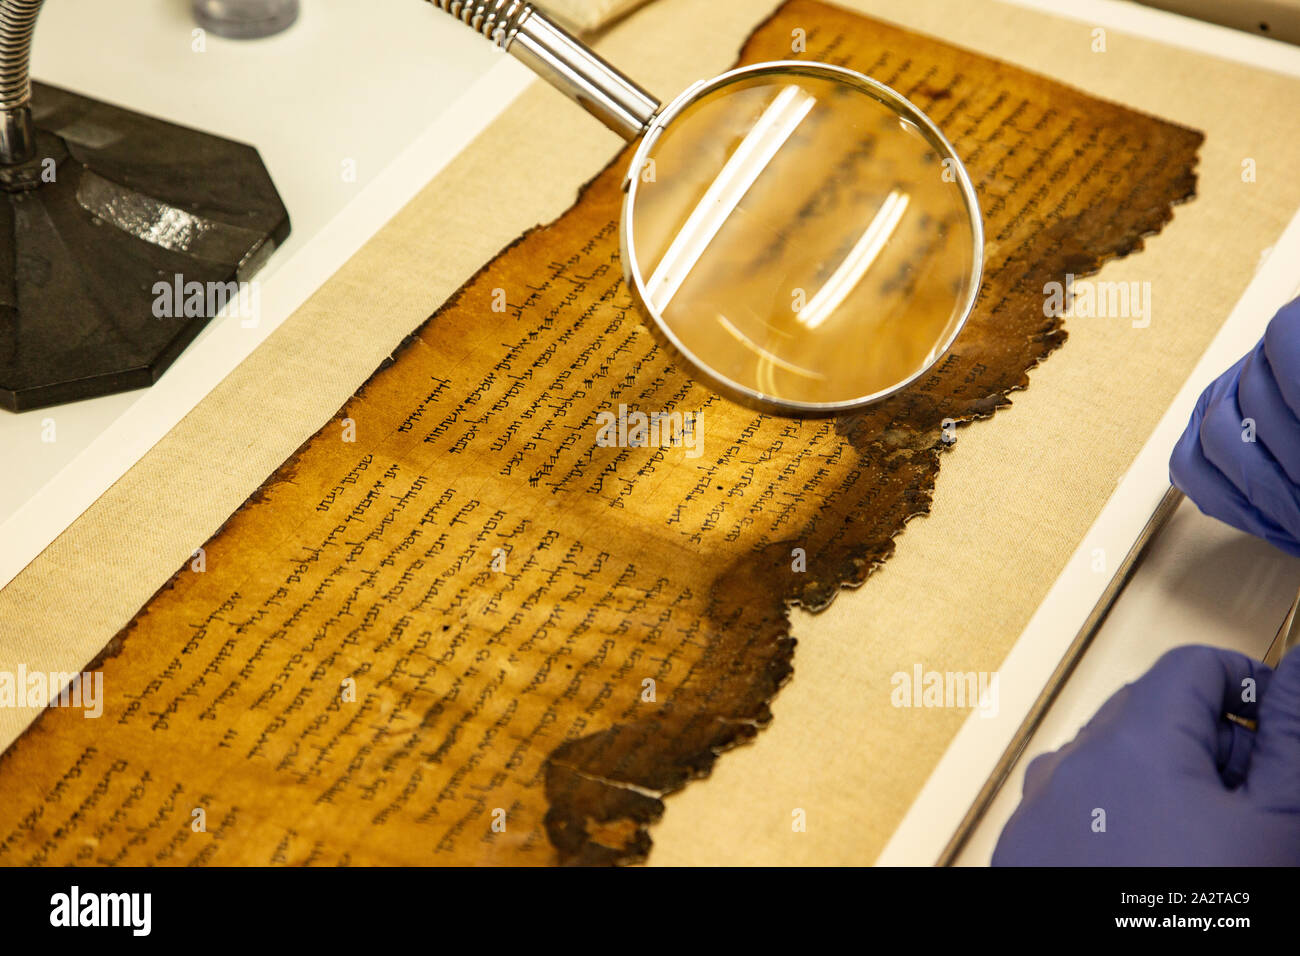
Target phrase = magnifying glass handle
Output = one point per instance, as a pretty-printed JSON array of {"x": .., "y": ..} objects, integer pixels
[{"x": 561, "y": 59}]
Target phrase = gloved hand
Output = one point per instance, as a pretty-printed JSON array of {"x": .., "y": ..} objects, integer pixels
[
  {"x": 1239, "y": 458},
  {"x": 1178, "y": 783}
]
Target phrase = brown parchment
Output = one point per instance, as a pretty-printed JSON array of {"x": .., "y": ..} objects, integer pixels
[{"x": 455, "y": 628}]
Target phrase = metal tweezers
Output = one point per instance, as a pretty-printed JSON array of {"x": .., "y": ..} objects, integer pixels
[{"x": 1288, "y": 636}]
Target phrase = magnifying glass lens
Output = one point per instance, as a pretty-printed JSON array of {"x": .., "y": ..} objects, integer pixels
[{"x": 800, "y": 236}]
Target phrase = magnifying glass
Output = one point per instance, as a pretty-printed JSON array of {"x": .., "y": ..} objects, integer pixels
[{"x": 803, "y": 236}]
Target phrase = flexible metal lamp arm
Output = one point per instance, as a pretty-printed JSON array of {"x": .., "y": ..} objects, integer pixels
[{"x": 17, "y": 135}]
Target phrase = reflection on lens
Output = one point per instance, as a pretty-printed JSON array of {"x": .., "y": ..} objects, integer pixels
[{"x": 803, "y": 239}]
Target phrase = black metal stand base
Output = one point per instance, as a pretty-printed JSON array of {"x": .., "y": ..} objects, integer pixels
[{"x": 119, "y": 241}]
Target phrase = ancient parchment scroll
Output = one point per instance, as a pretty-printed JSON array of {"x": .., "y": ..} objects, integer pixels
[{"x": 459, "y": 626}]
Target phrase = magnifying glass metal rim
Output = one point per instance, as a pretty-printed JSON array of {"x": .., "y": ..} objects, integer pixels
[
  {"x": 636, "y": 283},
  {"x": 536, "y": 40}
]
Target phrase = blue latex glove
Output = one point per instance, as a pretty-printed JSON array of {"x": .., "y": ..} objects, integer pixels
[
  {"x": 1252, "y": 485},
  {"x": 1180, "y": 784}
]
